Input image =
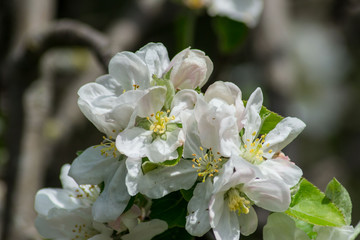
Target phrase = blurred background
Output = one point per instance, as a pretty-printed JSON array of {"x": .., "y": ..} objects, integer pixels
[{"x": 305, "y": 55}]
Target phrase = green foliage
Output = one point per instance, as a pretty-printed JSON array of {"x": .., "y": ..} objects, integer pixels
[
  {"x": 174, "y": 234},
  {"x": 309, "y": 204},
  {"x": 170, "y": 90},
  {"x": 306, "y": 227},
  {"x": 270, "y": 120},
  {"x": 341, "y": 198},
  {"x": 231, "y": 33},
  {"x": 171, "y": 208}
]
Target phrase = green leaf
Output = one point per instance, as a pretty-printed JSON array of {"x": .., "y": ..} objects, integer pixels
[
  {"x": 270, "y": 120},
  {"x": 340, "y": 197},
  {"x": 174, "y": 234},
  {"x": 231, "y": 34},
  {"x": 306, "y": 227},
  {"x": 309, "y": 204},
  {"x": 171, "y": 208}
]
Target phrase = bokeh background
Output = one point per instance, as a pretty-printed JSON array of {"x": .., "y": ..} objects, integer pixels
[{"x": 305, "y": 55}]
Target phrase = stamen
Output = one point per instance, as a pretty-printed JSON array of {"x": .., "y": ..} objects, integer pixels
[
  {"x": 237, "y": 202},
  {"x": 159, "y": 124},
  {"x": 207, "y": 164},
  {"x": 109, "y": 147},
  {"x": 254, "y": 152}
]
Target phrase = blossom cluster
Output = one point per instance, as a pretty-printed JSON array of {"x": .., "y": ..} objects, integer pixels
[{"x": 162, "y": 135}]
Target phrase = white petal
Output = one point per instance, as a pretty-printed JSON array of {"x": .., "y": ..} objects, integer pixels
[
  {"x": 198, "y": 222},
  {"x": 183, "y": 100},
  {"x": 248, "y": 222},
  {"x": 333, "y": 233},
  {"x": 192, "y": 139},
  {"x": 100, "y": 237},
  {"x": 146, "y": 230},
  {"x": 216, "y": 208},
  {"x": 129, "y": 69},
  {"x": 252, "y": 119},
  {"x": 91, "y": 167},
  {"x": 160, "y": 150},
  {"x": 270, "y": 194},
  {"x": 226, "y": 91},
  {"x": 247, "y": 11},
  {"x": 281, "y": 169},
  {"x": 132, "y": 142},
  {"x": 156, "y": 58},
  {"x": 284, "y": 132},
  {"x": 113, "y": 200},
  {"x": 151, "y": 102},
  {"x": 229, "y": 136},
  {"x": 161, "y": 181},
  {"x": 48, "y": 198},
  {"x": 281, "y": 227},
  {"x": 228, "y": 226}
]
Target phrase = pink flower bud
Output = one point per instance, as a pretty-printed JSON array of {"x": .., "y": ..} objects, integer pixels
[{"x": 190, "y": 69}]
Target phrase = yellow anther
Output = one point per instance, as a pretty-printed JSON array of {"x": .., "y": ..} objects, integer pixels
[
  {"x": 201, "y": 149},
  {"x": 254, "y": 133},
  {"x": 206, "y": 164},
  {"x": 236, "y": 202},
  {"x": 270, "y": 151}
]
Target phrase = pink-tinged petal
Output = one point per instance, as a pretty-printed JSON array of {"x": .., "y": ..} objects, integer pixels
[
  {"x": 281, "y": 169},
  {"x": 248, "y": 222},
  {"x": 270, "y": 194},
  {"x": 284, "y": 133},
  {"x": 198, "y": 222},
  {"x": 133, "y": 141},
  {"x": 129, "y": 69}
]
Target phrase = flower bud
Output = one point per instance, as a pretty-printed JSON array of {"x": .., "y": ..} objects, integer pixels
[{"x": 190, "y": 69}]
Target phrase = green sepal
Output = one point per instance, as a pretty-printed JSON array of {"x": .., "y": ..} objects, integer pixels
[
  {"x": 142, "y": 123},
  {"x": 170, "y": 90},
  {"x": 340, "y": 197},
  {"x": 356, "y": 232},
  {"x": 148, "y": 166},
  {"x": 170, "y": 208},
  {"x": 269, "y": 120},
  {"x": 306, "y": 227},
  {"x": 173, "y": 162},
  {"x": 171, "y": 127},
  {"x": 310, "y": 205}
]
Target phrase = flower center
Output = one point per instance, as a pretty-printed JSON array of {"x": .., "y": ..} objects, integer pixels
[
  {"x": 87, "y": 193},
  {"x": 206, "y": 164},
  {"x": 109, "y": 147},
  {"x": 159, "y": 121},
  {"x": 82, "y": 231},
  {"x": 237, "y": 202},
  {"x": 253, "y": 151}
]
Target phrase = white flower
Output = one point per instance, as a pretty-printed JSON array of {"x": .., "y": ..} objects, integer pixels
[
  {"x": 247, "y": 11},
  {"x": 66, "y": 213},
  {"x": 281, "y": 226},
  {"x": 155, "y": 134},
  {"x": 110, "y": 101},
  {"x": 95, "y": 166},
  {"x": 190, "y": 69},
  {"x": 265, "y": 150},
  {"x": 218, "y": 116},
  {"x": 225, "y": 205}
]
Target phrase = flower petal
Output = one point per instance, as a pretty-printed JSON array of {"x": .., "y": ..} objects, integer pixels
[
  {"x": 161, "y": 181},
  {"x": 197, "y": 222},
  {"x": 270, "y": 194},
  {"x": 132, "y": 142},
  {"x": 247, "y": 11},
  {"x": 92, "y": 167},
  {"x": 228, "y": 225},
  {"x": 146, "y": 230},
  {"x": 281, "y": 169},
  {"x": 114, "y": 198},
  {"x": 248, "y": 222},
  {"x": 129, "y": 69},
  {"x": 151, "y": 102},
  {"x": 284, "y": 132},
  {"x": 156, "y": 58}
]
